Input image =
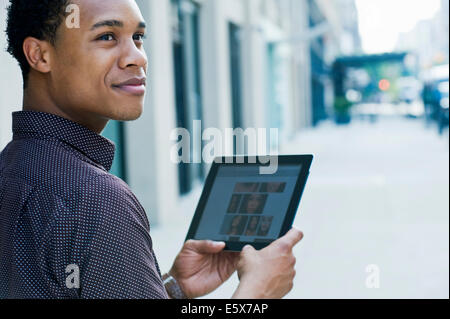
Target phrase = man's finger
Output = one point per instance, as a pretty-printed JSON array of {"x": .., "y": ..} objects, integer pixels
[
  {"x": 293, "y": 237},
  {"x": 205, "y": 246}
]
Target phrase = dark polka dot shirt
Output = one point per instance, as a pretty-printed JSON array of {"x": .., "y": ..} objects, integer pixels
[{"x": 68, "y": 228}]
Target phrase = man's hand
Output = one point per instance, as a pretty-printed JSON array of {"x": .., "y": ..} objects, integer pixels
[
  {"x": 202, "y": 266},
  {"x": 268, "y": 273}
]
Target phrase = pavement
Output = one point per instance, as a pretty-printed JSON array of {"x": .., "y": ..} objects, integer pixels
[{"x": 375, "y": 213}]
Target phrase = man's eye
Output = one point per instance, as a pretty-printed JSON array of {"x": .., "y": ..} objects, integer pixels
[
  {"x": 139, "y": 37},
  {"x": 106, "y": 37}
]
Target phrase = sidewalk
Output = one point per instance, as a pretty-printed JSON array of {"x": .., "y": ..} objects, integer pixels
[{"x": 377, "y": 194}]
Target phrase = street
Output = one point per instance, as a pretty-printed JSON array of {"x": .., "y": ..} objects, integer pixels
[{"x": 377, "y": 195}]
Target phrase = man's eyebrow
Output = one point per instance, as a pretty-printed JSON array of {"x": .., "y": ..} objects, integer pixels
[
  {"x": 114, "y": 23},
  {"x": 107, "y": 23}
]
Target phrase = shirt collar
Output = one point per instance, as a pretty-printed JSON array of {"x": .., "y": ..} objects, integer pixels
[{"x": 96, "y": 147}]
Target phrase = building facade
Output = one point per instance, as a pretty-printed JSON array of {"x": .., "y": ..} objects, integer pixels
[{"x": 220, "y": 63}]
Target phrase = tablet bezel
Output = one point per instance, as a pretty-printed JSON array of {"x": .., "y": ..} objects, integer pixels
[{"x": 304, "y": 161}]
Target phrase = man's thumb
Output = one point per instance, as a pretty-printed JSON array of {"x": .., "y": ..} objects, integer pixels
[{"x": 248, "y": 249}]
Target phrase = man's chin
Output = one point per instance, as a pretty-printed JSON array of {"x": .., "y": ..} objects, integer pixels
[{"x": 128, "y": 114}]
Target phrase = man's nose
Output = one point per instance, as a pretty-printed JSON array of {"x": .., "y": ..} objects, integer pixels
[{"x": 133, "y": 56}]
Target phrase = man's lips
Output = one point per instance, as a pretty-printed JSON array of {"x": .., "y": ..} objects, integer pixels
[{"x": 134, "y": 86}]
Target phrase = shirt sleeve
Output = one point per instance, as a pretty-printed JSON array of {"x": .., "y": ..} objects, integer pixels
[{"x": 106, "y": 234}]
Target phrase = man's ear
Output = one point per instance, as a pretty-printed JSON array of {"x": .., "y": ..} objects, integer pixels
[{"x": 37, "y": 53}]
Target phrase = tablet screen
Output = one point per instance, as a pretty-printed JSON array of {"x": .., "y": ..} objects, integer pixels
[{"x": 246, "y": 206}]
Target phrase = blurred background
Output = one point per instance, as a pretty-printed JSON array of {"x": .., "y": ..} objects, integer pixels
[{"x": 361, "y": 84}]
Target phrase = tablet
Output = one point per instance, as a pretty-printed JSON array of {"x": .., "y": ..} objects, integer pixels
[{"x": 241, "y": 206}]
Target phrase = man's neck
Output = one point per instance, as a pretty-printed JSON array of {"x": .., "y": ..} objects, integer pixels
[{"x": 35, "y": 98}]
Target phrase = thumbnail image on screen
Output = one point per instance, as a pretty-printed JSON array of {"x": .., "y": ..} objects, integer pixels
[
  {"x": 264, "y": 227},
  {"x": 234, "y": 225},
  {"x": 274, "y": 187},
  {"x": 246, "y": 187},
  {"x": 252, "y": 226},
  {"x": 234, "y": 204},
  {"x": 253, "y": 204}
]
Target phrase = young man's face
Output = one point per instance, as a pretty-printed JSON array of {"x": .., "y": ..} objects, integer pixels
[{"x": 91, "y": 65}]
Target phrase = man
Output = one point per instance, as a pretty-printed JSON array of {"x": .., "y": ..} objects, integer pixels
[{"x": 62, "y": 215}]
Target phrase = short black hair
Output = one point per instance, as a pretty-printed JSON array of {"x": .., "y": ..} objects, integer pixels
[{"x": 32, "y": 18}]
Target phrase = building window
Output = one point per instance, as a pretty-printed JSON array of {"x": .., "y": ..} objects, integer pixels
[
  {"x": 235, "y": 42},
  {"x": 235, "y": 71},
  {"x": 186, "y": 48}
]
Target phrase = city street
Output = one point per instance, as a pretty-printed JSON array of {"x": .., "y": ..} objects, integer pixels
[
  {"x": 377, "y": 195},
  {"x": 361, "y": 85}
]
